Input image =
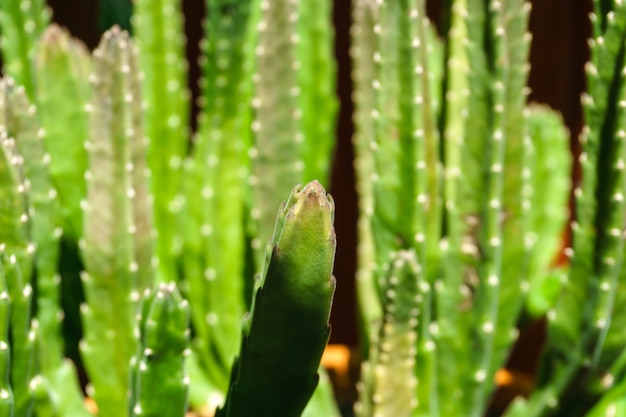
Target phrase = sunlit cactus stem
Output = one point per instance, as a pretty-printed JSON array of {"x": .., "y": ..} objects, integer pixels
[
  {"x": 62, "y": 69},
  {"x": 213, "y": 217},
  {"x": 158, "y": 30},
  {"x": 21, "y": 24},
  {"x": 117, "y": 225},
  {"x": 585, "y": 333},
  {"x": 16, "y": 245},
  {"x": 364, "y": 70}
]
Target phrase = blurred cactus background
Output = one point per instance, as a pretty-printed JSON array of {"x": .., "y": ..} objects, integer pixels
[{"x": 475, "y": 153}]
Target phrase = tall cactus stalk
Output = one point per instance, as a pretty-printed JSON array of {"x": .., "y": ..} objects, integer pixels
[
  {"x": 292, "y": 54},
  {"x": 61, "y": 69},
  {"x": 316, "y": 87},
  {"x": 214, "y": 227},
  {"x": 6, "y": 391},
  {"x": 16, "y": 246},
  {"x": 44, "y": 232},
  {"x": 364, "y": 70},
  {"x": 22, "y": 24},
  {"x": 278, "y": 140},
  {"x": 158, "y": 29},
  {"x": 115, "y": 222}
]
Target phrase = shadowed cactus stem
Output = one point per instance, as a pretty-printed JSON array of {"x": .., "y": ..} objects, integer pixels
[{"x": 287, "y": 328}]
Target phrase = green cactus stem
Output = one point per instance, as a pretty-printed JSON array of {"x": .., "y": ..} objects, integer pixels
[
  {"x": 44, "y": 232},
  {"x": 213, "y": 217},
  {"x": 158, "y": 380},
  {"x": 16, "y": 243},
  {"x": 392, "y": 380},
  {"x": 364, "y": 70},
  {"x": 6, "y": 391},
  {"x": 277, "y": 138},
  {"x": 115, "y": 232},
  {"x": 316, "y": 87},
  {"x": 61, "y": 71},
  {"x": 550, "y": 178},
  {"x": 21, "y": 23},
  {"x": 293, "y": 53},
  {"x": 287, "y": 328},
  {"x": 158, "y": 30}
]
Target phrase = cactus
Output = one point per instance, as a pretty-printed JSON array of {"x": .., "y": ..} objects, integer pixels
[
  {"x": 215, "y": 257},
  {"x": 158, "y": 368},
  {"x": 495, "y": 246},
  {"x": 390, "y": 372},
  {"x": 116, "y": 231},
  {"x": 62, "y": 68},
  {"x": 287, "y": 328},
  {"x": 44, "y": 232},
  {"x": 17, "y": 248},
  {"x": 6, "y": 399},
  {"x": 550, "y": 192},
  {"x": 158, "y": 29},
  {"x": 288, "y": 144},
  {"x": 463, "y": 198},
  {"x": 22, "y": 24}
]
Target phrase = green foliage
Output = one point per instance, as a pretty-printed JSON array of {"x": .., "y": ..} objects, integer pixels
[{"x": 157, "y": 27}]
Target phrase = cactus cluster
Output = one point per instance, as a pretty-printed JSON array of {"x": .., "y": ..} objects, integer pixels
[
  {"x": 131, "y": 247},
  {"x": 464, "y": 187},
  {"x": 124, "y": 228}
]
